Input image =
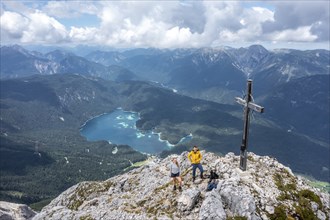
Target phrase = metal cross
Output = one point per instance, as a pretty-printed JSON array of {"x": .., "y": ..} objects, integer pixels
[{"x": 248, "y": 105}]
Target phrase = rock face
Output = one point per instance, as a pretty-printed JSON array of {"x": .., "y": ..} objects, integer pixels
[
  {"x": 12, "y": 211},
  {"x": 267, "y": 190}
]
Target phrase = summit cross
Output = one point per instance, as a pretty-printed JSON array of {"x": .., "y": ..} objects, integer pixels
[{"x": 248, "y": 105}]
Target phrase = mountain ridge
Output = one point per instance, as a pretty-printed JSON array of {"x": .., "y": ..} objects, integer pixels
[
  {"x": 199, "y": 73},
  {"x": 17, "y": 62},
  {"x": 267, "y": 190}
]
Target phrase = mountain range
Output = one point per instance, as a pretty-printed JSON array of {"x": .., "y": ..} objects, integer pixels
[
  {"x": 219, "y": 67},
  {"x": 45, "y": 98},
  {"x": 214, "y": 74},
  {"x": 19, "y": 62},
  {"x": 270, "y": 68}
]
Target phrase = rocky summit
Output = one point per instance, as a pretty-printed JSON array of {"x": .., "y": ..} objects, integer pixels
[{"x": 267, "y": 190}]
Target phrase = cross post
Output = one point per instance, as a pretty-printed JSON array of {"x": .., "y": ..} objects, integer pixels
[{"x": 248, "y": 106}]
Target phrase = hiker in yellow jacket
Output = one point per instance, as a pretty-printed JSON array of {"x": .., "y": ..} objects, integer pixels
[{"x": 195, "y": 158}]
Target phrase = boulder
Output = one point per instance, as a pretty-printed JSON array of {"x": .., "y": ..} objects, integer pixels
[
  {"x": 188, "y": 199},
  {"x": 239, "y": 200},
  {"x": 12, "y": 211},
  {"x": 212, "y": 207}
]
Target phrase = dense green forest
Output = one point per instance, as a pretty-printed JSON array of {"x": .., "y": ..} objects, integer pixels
[
  {"x": 42, "y": 152},
  {"x": 35, "y": 168}
]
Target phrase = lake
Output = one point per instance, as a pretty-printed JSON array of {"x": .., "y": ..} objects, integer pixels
[{"x": 119, "y": 127}]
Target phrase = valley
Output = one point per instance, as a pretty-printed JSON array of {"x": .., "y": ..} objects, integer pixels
[{"x": 43, "y": 152}]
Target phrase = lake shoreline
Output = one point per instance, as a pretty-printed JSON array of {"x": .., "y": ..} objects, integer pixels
[{"x": 119, "y": 127}]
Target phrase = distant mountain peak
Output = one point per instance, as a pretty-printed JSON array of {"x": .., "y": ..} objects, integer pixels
[
  {"x": 259, "y": 48},
  {"x": 267, "y": 190},
  {"x": 17, "y": 48},
  {"x": 248, "y": 59},
  {"x": 58, "y": 55}
]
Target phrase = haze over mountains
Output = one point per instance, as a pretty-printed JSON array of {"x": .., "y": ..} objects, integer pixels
[{"x": 185, "y": 91}]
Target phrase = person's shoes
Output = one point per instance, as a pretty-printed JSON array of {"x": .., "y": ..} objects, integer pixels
[
  {"x": 202, "y": 177},
  {"x": 194, "y": 179},
  {"x": 174, "y": 187},
  {"x": 180, "y": 188}
]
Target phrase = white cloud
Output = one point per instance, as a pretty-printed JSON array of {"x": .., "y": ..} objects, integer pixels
[
  {"x": 164, "y": 24},
  {"x": 16, "y": 6},
  {"x": 177, "y": 36},
  {"x": 250, "y": 27},
  {"x": 43, "y": 28},
  {"x": 85, "y": 34},
  {"x": 69, "y": 9},
  {"x": 12, "y": 25},
  {"x": 301, "y": 34},
  {"x": 141, "y": 24},
  {"x": 111, "y": 17},
  {"x": 298, "y": 15},
  {"x": 35, "y": 27}
]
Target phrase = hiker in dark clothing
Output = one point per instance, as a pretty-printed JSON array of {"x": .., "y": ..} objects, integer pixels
[
  {"x": 213, "y": 175},
  {"x": 175, "y": 173},
  {"x": 213, "y": 183}
]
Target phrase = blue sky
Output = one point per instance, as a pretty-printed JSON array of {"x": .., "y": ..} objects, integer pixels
[
  {"x": 81, "y": 21},
  {"x": 167, "y": 24}
]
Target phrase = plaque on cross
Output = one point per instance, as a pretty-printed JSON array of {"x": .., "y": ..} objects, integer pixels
[{"x": 248, "y": 105}]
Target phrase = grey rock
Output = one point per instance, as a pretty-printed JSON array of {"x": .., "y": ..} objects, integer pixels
[
  {"x": 239, "y": 200},
  {"x": 314, "y": 206},
  {"x": 264, "y": 217},
  {"x": 321, "y": 215},
  {"x": 270, "y": 209},
  {"x": 12, "y": 211},
  {"x": 188, "y": 199},
  {"x": 212, "y": 207}
]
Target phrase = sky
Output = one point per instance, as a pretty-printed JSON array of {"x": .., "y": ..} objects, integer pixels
[{"x": 299, "y": 24}]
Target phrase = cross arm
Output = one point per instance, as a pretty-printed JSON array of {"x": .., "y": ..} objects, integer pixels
[
  {"x": 240, "y": 101},
  {"x": 256, "y": 107},
  {"x": 250, "y": 105}
]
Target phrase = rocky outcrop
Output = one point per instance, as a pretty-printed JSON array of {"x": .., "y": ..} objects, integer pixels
[
  {"x": 212, "y": 207},
  {"x": 12, "y": 211},
  {"x": 267, "y": 190},
  {"x": 188, "y": 199}
]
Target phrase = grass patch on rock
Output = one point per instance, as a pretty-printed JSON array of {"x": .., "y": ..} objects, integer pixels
[
  {"x": 237, "y": 218},
  {"x": 279, "y": 213},
  {"x": 302, "y": 207},
  {"x": 84, "y": 191}
]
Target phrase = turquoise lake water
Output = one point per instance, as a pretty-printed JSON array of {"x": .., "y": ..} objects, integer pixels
[{"x": 119, "y": 127}]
